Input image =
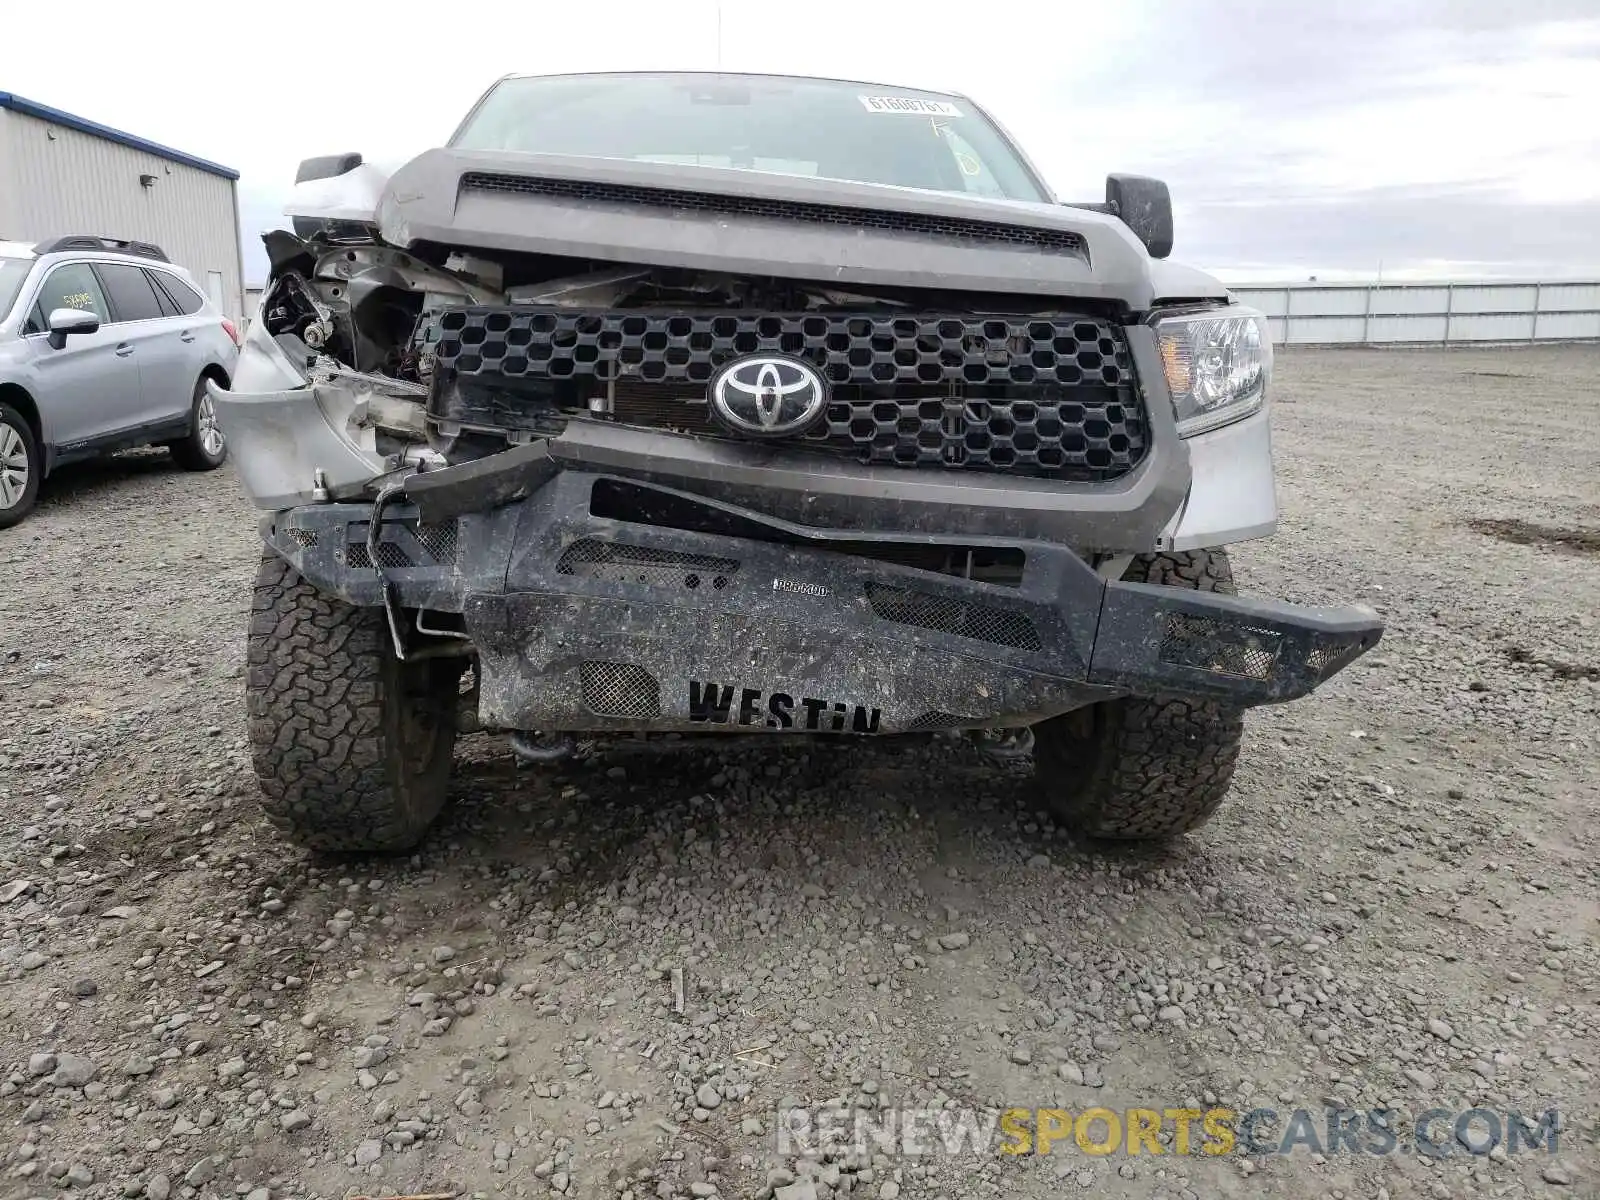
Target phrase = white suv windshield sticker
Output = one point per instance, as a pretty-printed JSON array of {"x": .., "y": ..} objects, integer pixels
[{"x": 909, "y": 104}]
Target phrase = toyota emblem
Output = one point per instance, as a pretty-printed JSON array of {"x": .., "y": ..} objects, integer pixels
[{"x": 768, "y": 396}]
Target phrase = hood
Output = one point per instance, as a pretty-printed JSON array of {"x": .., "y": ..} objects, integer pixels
[
  {"x": 1172, "y": 282},
  {"x": 750, "y": 222}
]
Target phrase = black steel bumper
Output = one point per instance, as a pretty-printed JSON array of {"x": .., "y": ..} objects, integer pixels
[{"x": 591, "y": 622}]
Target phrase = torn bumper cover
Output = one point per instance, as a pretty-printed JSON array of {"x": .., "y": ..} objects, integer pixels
[{"x": 586, "y": 620}]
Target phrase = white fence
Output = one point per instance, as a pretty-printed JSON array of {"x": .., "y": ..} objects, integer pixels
[{"x": 1440, "y": 313}]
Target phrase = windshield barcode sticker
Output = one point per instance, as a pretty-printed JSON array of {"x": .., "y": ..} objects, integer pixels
[{"x": 909, "y": 104}]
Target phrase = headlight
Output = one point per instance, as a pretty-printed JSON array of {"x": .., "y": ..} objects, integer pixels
[{"x": 1218, "y": 365}]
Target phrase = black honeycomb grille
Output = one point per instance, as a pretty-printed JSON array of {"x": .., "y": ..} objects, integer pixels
[
  {"x": 959, "y": 229},
  {"x": 1073, "y": 439},
  {"x": 1048, "y": 396}
]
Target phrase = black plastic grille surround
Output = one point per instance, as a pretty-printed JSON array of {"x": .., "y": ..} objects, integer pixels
[
  {"x": 958, "y": 229},
  {"x": 1049, "y": 396}
]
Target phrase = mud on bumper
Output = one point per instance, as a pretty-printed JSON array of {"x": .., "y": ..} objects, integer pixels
[{"x": 586, "y": 620}]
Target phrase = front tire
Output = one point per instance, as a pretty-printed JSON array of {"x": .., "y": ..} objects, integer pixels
[
  {"x": 352, "y": 747},
  {"x": 1144, "y": 768},
  {"x": 21, "y": 466},
  {"x": 204, "y": 449}
]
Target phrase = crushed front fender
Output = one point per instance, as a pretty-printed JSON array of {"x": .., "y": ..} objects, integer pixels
[{"x": 281, "y": 441}]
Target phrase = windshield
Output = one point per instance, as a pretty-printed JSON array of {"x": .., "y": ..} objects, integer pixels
[
  {"x": 863, "y": 132},
  {"x": 13, "y": 271}
]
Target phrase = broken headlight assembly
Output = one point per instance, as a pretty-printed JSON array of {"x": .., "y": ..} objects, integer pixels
[{"x": 1218, "y": 364}]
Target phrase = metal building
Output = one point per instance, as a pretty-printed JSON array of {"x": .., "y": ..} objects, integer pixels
[{"x": 61, "y": 174}]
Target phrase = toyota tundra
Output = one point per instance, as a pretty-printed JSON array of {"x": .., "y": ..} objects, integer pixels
[{"x": 721, "y": 404}]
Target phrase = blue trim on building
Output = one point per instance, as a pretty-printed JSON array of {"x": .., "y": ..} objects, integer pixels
[{"x": 55, "y": 116}]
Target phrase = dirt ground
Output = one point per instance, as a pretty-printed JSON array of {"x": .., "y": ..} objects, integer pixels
[{"x": 1397, "y": 908}]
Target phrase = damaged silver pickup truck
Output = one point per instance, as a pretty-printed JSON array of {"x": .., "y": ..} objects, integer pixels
[{"x": 736, "y": 404}]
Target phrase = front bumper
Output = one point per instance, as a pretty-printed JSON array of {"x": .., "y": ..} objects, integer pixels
[{"x": 591, "y": 622}]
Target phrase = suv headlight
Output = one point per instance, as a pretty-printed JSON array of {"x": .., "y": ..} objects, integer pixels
[{"x": 1218, "y": 364}]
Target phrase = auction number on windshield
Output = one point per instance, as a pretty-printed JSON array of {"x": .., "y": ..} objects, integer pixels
[{"x": 912, "y": 105}]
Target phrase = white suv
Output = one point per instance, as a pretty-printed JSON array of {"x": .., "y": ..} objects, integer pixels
[{"x": 104, "y": 345}]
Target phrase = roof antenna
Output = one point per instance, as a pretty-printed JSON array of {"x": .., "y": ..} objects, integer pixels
[{"x": 719, "y": 35}]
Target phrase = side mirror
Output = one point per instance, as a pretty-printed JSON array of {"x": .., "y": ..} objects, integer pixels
[
  {"x": 311, "y": 170},
  {"x": 1144, "y": 206},
  {"x": 327, "y": 166},
  {"x": 70, "y": 320}
]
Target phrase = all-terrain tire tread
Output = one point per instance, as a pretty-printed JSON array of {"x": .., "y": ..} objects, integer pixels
[
  {"x": 320, "y": 696},
  {"x": 1146, "y": 768}
]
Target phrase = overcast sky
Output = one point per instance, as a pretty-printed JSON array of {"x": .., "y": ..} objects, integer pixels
[{"x": 1436, "y": 137}]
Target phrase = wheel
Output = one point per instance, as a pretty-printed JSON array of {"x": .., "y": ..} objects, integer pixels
[
  {"x": 352, "y": 747},
  {"x": 205, "y": 449},
  {"x": 1144, "y": 768},
  {"x": 21, "y": 466}
]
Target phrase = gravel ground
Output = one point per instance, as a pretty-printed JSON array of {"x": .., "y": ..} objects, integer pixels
[{"x": 1396, "y": 908}]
